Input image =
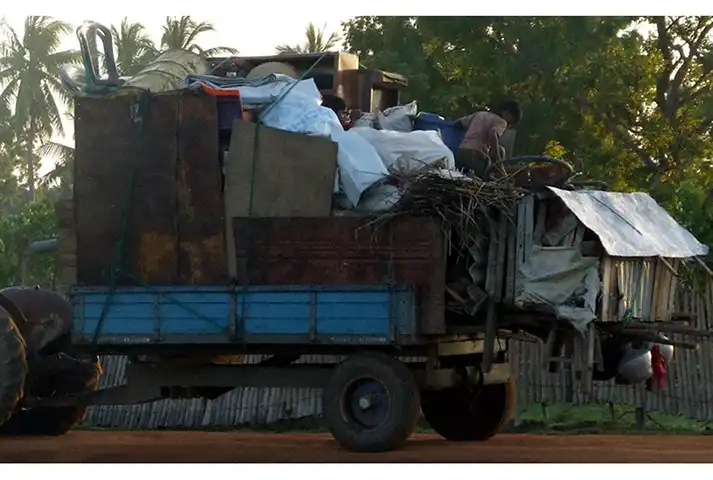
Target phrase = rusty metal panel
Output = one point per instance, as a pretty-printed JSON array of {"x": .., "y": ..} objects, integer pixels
[
  {"x": 110, "y": 150},
  {"x": 104, "y": 146},
  {"x": 202, "y": 258},
  {"x": 342, "y": 251},
  {"x": 154, "y": 220}
]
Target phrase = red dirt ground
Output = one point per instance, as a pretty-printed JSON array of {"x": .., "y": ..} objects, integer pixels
[{"x": 195, "y": 447}]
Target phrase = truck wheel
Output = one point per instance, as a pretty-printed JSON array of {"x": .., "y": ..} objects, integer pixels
[
  {"x": 371, "y": 404},
  {"x": 54, "y": 421},
  {"x": 469, "y": 415},
  {"x": 13, "y": 367}
]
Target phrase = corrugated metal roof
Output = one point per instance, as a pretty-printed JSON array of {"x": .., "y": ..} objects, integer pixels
[{"x": 631, "y": 224}]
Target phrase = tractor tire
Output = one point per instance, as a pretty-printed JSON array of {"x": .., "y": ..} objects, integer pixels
[
  {"x": 47, "y": 316},
  {"x": 371, "y": 404},
  {"x": 55, "y": 421},
  {"x": 459, "y": 414},
  {"x": 13, "y": 367}
]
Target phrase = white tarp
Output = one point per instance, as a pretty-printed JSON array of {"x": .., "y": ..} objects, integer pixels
[
  {"x": 631, "y": 224},
  {"x": 561, "y": 279}
]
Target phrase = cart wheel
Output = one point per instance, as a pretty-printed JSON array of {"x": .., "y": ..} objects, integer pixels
[
  {"x": 371, "y": 403},
  {"x": 469, "y": 415},
  {"x": 55, "y": 421},
  {"x": 13, "y": 367}
]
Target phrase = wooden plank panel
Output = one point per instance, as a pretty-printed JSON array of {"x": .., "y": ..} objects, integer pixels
[
  {"x": 202, "y": 258},
  {"x": 291, "y": 176}
]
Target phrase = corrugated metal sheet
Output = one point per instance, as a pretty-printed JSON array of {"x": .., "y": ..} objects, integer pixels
[{"x": 631, "y": 224}]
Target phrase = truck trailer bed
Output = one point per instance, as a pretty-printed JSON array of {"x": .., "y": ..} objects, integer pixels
[{"x": 287, "y": 314}]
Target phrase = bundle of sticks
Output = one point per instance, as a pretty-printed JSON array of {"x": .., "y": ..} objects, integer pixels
[{"x": 465, "y": 205}]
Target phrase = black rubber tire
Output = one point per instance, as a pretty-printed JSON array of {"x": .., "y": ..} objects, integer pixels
[
  {"x": 403, "y": 403},
  {"x": 13, "y": 367},
  {"x": 463, "y": 415},
  {"x": 55, "y": 421},
  {"x": 47, "y": 319}
]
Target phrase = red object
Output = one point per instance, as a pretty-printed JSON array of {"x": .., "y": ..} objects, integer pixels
[
  {"x": 219, "y": 92},
  {"x": 658, "y": 365}
]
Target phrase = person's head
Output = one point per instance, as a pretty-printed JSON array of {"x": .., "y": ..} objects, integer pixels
[
  {"x": 510, "y": 111},
  {"x": 338, "y": 106}
]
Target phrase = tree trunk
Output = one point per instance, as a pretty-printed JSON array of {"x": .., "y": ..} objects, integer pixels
[{"x": 31, "y": 163}]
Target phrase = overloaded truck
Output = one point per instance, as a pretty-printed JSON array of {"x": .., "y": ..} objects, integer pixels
[{"x": 220, "y": 213}]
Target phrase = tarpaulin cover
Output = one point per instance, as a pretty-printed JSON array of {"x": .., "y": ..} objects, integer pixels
[
  {"x": 561, "y": 279},
  {"x": 631, "y": 224}
]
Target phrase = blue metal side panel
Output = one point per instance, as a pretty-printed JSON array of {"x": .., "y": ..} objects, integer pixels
[
  {"x": 226, "y": 314},
  {"x": 136, "y": 312}
]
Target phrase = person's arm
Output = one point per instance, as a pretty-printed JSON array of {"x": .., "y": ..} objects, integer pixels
[
  {"x": 464, "y": 121},
  {"x": 494, "y": 143}
]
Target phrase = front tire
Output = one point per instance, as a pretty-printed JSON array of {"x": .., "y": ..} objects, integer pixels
[
  {"x": 13, "y": 367},
  {"x": 371, "y": 403},
  {"x": 460, "y": 414}
]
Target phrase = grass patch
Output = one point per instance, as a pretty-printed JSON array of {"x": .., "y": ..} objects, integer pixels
[{"x": 599, "y": 419}]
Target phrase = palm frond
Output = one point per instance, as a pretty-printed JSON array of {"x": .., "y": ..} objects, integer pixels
[
  {"x": 182, "y": 34},
  {"x": 316, "y": 41},
  {"x": 59, "y": 152}
]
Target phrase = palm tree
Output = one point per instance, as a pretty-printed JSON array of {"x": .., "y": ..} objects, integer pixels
[
  {"x": 29, "y": 78},
  {"x": 61, "y": 174},
  {"x": 181, "y": 34},
  {"x": 317, "y": 41},
  {"x": 134, "y": 48}
]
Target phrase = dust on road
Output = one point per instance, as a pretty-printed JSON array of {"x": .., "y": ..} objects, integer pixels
[{"x": 195, "y": 447}]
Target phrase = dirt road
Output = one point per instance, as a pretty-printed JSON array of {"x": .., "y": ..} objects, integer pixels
[{"x": 88, "y": 446}]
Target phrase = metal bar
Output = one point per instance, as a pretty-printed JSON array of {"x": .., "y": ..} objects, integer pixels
[
  {"x": 312, "y": 316},
  {"x": 491, "y": 328},
  {"x": 500, "y": 266}
]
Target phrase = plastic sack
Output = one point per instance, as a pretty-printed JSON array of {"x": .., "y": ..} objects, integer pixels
[
  {"x": 407, "y": 152},
  {"x": 300, "y": 111},
  {"x": 398, "y": 119},
  {"x": 359, "y": 164},
  {"x": 378, "y": 198},
  {"x": 365, "y": 120}
]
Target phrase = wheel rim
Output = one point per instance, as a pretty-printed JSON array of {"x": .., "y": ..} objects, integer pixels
[{"x": 366, "y": 403}]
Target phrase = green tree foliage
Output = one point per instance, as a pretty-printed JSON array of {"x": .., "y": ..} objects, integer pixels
[
  {"x": 316, "y": 41},
  {"x": 34, "y": 222}
]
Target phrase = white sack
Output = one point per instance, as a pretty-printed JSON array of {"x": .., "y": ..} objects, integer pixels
[
  {"x": 406, "y": 152},
  {"x": 379, "y": 198},
  {"x": 359, "y": 164},
  {"x": 398, "y": 119}
]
